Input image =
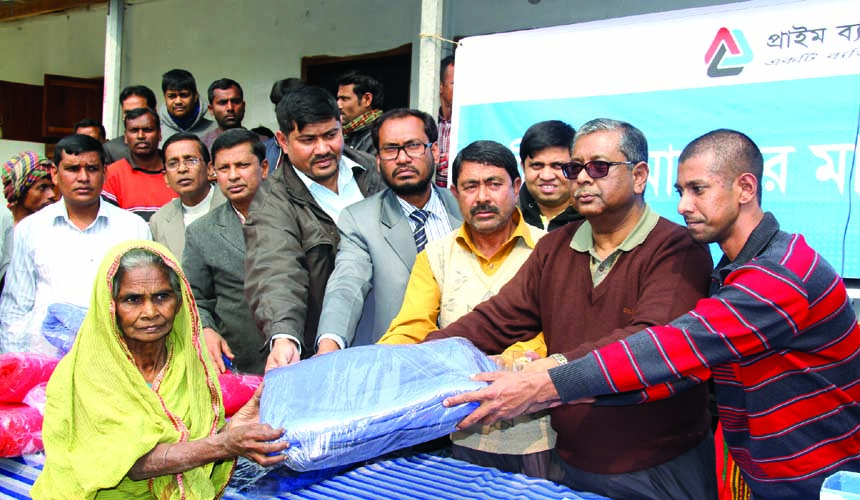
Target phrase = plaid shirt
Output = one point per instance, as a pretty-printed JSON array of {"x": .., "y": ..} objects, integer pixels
[{"x": 444, "y": 143}]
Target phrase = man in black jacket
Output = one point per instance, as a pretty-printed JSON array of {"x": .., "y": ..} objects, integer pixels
[
  {"x": 291, "y": 234},
  {"x": 546, "y": 202}
]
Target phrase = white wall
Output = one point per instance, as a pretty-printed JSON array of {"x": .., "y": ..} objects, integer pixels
[
  {"x": 259, "y": 41},
  {"x": 70, "y": 44},
  {"x": 256, "y": 42},
  {"x": 479, "y": 17}
]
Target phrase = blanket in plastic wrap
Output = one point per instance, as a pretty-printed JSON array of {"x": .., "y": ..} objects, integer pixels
[
  {"x": 20, "y": 372},
  {"x": 362, "y": 402}
]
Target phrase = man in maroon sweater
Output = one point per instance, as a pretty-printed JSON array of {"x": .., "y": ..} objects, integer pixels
[{"x": 591, "y": 283}]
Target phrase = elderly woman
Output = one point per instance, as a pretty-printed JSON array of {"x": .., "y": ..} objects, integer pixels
[{"x": 134, "y": 410}]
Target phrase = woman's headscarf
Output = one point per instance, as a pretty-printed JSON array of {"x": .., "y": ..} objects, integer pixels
[
  {"x": 21, "y": 172},
  {"x": 101, "y": 416}
]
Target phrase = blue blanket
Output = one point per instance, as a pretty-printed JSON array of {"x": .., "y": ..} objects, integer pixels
[{"x": 362, "y": 402}]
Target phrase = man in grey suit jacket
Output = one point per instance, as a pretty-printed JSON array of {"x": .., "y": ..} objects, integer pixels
[
  {"x": 381, "y": 235},
  {"x": 186, "y": 171},
  {"x": 214, "y": 259}
]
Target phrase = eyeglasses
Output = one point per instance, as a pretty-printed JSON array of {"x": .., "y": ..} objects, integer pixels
[
  {"x": 595, "y": 168},
  {"x": 190, "y": 162},
  {"x": 412, "y": 150}
]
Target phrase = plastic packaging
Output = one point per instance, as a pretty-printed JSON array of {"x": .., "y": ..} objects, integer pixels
[
  {"x": 20, "y": 372},
  {"x": 20, "y": 430},
  {"x": 362, "y": 402},
  {"x": 61, "y": 325},
  {"x": 237, "y": 390},
  {"x": 843, "y": 485}
]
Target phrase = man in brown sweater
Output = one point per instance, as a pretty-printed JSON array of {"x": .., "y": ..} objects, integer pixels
[{"x": 591, "y": 283}]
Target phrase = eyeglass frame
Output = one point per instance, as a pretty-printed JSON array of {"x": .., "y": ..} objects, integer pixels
[
  {"x": 588, "y": 168},
  {"x": 193, "y": 160},
  {"x": 427, "y": 145}
]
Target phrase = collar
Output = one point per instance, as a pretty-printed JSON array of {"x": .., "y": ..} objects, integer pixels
[
  {"x": 434, "y": 204},
  {"x": 758, "y": 240},
  {"x": 464, "y": 235},
  {"x": 344, "y": 174},
  {"x": 441, "y": 118},
  {"x": 62, "y": 213},
  {"x": 583, "y": 238}
]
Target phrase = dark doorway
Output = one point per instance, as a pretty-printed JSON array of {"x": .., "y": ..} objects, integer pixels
[{"x": 393, "y": 68}]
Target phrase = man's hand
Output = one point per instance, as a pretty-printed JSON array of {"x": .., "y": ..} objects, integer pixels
[
  {"x": 284, "y": 352},
  {"x": 326, "y": 346},
  {"x": 215, "y": 345},
  {"x": 244, "y": 435},
  {"x": 509, "y": 395}
]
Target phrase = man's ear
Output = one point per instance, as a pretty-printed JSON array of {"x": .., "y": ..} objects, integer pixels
[
  {"x": 748, "y": 186},
  {"x": 366, "y": 99}
]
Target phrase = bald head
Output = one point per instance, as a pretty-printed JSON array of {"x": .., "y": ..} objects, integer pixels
[{"x": 734, "y": 153}]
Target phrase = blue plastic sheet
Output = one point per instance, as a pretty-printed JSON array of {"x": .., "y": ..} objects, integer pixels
[
  {"x": 359, "y": 403},
  {"x": 61, "y": 325}
]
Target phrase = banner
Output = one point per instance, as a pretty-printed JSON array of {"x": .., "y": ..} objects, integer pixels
[{"x": 785, "y": 73}]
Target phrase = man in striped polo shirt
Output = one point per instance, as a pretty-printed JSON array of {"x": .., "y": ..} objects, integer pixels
[{"x": 778, "y": 335}]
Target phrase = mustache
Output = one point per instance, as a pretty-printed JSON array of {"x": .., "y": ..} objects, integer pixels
[
  {"x": 315, "y": 158},
  {"x": 484, "y": 207},
  {"x": 581, "y": 191}
]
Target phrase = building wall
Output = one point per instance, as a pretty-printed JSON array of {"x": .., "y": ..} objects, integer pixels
[{"x": 260, "y": 41}]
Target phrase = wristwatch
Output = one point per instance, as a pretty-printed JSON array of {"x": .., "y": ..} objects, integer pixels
[{"x": 559, "y": 358}]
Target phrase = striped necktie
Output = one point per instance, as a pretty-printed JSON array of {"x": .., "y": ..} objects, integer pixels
[{"x": 420, "y": 218}]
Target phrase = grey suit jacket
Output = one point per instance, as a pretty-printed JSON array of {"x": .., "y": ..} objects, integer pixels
[
  {"x": 168, "y": 226},
  {"x": 214, "y": 263},
  {"x": 374, "y": 259}
]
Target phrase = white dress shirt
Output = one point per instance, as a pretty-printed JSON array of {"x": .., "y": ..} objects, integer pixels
[
  {"x": 53, "y": 261},
  {"x": 347, "y": 189}
]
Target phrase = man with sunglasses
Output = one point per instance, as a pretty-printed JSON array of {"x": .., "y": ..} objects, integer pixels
[
  {"x": 778, "y": 334},
  {"x": 596, "y": 281},
  {"x": 381, "y": 235}
]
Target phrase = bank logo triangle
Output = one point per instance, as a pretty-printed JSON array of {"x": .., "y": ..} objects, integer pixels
[{"x": 728, "y": 54}]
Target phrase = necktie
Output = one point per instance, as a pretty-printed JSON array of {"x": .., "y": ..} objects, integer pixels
[{"x": 420, "y": 218}]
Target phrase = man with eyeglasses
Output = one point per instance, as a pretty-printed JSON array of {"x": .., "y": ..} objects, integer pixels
[
  {"x": 380, "y": 236},
  {"x": 186, "y": 171},
  {"x": 138, "y": 185},
  {"x": 596, "y": 281}
]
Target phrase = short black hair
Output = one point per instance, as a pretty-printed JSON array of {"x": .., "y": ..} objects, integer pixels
[
  {"x": 304, "y": 105},
  {"x": 547, "y": 134},
  {"x": 186, "y": 136},
  {"x": 140, "y": 91},
  {"x": 263, "y": 130},
  {"x": 223, "y": 84},
  {"x": 178, "y": 79},
  {"x": 236, "y": 136},
  {"x": 76, "y": 144},
  {"x": 362, "y": 84},
  {"x": 281, "y": 87},
  {"x": 446, "y": 61},
  {"x": 429, "y": 123},
  {"x": 734, "y": 154},
  {"x": 89, "y": 122},
  {"x": 137, "y": 113},
  {"x": 486, "y": 153}
]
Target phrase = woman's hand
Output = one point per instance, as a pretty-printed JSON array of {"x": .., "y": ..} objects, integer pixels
[{"x": 245, "y": 436}]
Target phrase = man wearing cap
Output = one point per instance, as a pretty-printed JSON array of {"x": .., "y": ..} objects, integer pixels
[{"x": 27, "y": 184}]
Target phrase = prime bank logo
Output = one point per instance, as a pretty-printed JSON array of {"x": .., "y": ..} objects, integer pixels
[{"x": 728, "y": 54}]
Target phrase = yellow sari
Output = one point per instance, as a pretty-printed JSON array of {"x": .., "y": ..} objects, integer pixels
[{"x": 101, "y": 416}]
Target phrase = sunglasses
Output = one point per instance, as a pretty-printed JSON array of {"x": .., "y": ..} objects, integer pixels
[{"x": 595, "y": 168}]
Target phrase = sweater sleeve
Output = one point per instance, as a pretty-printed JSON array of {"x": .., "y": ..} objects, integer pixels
[
  {"x": 757, "y": 309},
  {"x": 512, "y": 315}
]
